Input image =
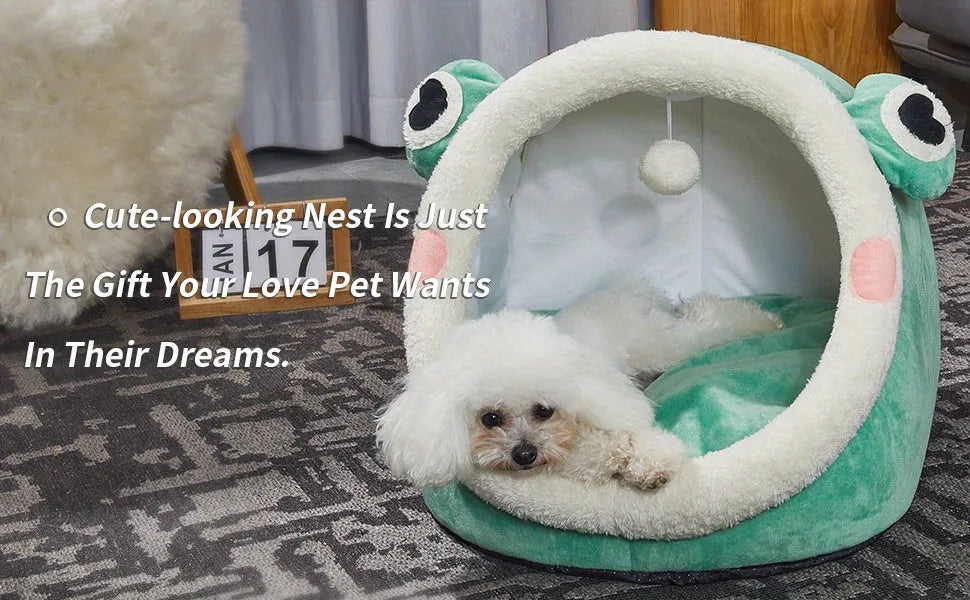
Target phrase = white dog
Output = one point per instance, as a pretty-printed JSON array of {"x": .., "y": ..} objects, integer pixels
[{"x": 513, "y": 391}]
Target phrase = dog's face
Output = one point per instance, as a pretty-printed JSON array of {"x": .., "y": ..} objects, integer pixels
[
  {"x": 507, "y": 392},
  {"x": 521, "y": 435}
]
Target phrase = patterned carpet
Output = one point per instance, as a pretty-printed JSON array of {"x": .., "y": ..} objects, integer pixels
[{"x": 187, "y": 483}]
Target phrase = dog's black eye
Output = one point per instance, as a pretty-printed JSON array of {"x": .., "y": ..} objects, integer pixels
[
  {"x": 491, "y": 419},
  {"x": 542, "y": 412}
]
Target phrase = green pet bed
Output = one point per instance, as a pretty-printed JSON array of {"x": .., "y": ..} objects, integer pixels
[{"x": 805, "y": 442}]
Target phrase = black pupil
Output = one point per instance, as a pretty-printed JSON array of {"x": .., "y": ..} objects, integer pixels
[
  {"x": 916, "y": 113},
  {"x": 542, "y": 412},
  {"x": 433, "y": 101},
  {"x": 491, "y": 419}
]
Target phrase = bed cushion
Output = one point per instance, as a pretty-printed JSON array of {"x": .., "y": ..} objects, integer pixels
[{"x": 724, "y": 394}]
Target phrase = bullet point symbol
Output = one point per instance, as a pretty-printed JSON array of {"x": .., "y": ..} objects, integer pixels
[{"x": 57, "y": 217}]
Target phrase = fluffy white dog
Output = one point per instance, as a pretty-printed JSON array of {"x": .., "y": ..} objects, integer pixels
[{"x": 514, "y": 392}]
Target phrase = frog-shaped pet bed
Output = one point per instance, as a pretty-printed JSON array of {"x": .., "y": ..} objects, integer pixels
[{"x": 777, "y": 181}]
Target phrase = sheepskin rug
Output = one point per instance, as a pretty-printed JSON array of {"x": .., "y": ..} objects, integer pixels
[{"x": 114, "y": 101}]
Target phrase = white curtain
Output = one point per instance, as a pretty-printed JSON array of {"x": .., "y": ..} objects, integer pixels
[{"x": 324, "y": 69}]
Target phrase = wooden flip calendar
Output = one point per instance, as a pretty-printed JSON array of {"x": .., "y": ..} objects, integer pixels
[{"x": 238, "y": 261}]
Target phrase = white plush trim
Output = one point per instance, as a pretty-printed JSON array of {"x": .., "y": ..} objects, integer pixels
[{"x": 721, "y": 488}]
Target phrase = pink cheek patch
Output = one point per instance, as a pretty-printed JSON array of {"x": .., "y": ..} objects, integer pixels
[
  {"x": 872, "y": 271},
  {"x": 428, "y": 254}
]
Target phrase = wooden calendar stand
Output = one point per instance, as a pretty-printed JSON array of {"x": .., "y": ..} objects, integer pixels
[{"x": 237, "y": 177}]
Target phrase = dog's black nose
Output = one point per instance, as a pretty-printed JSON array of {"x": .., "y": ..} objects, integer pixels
[{"x": 524, "y": 454}]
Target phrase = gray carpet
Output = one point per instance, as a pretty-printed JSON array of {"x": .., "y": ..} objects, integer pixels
[{"x": 188, "y": 483}]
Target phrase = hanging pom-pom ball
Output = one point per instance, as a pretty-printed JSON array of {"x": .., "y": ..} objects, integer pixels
[{"x": 670, "y": 167}]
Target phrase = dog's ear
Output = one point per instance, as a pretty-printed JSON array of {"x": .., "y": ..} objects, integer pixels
[
  {"x": 423, "y": 433},
  {"x": 608, "y": 399}
]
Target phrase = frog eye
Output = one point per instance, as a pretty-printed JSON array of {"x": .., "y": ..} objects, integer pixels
[
  {"x": 432, "y": 110},
  {"x": 918, "y": 122}
]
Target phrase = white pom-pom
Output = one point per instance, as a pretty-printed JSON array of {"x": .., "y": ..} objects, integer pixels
[{"x": 670, "y": 167}]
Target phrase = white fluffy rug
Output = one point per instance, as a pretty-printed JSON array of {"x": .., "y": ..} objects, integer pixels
[{"x": 114, "y": 101}]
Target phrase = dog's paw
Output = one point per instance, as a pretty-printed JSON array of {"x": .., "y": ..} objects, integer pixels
[
  {"x": 762, "y": 322},
  {"x": 649, "y": 479},
  {"x": 742, "y": 317},
  {"x": 647, "y": 474},
  {"x": 749, "y": 320}
]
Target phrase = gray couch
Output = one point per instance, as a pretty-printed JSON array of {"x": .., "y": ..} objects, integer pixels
[{"x": 935, "y": 37}]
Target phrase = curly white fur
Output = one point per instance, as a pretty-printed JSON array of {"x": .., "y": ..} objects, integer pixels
[
  {"x": 114, "y": 101},
  {"x": 579, "y": 365},
  {"x": 642, "y": 331}
]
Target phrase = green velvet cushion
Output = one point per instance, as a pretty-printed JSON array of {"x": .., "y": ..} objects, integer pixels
[{"x": 726, "y": 393}]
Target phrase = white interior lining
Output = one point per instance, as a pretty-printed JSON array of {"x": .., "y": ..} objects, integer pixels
[{"x": 756, "y": 222}]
